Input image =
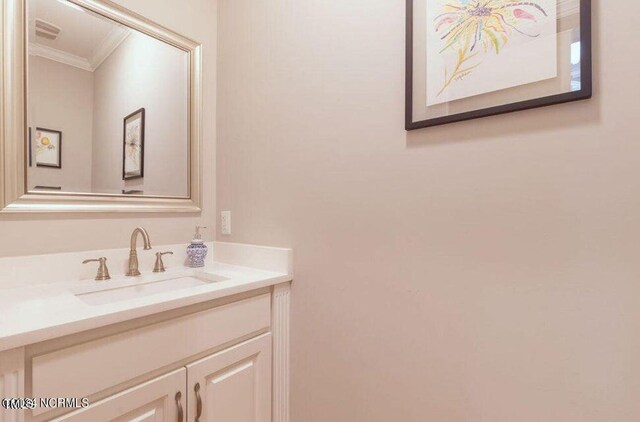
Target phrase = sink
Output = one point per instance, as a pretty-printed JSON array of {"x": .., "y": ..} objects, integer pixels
[{"x": 116, "y": 291}]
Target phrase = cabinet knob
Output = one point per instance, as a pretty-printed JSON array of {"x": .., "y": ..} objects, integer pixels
[
  {"x": 179, "y": 403},
  {"x": 196, "y": 388}
]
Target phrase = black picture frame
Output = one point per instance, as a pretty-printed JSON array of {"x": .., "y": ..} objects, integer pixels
[
  {"x": 53, "y": 166},
  {"x": 585, "y": 92},
  {"x": 142, "y": 113}
]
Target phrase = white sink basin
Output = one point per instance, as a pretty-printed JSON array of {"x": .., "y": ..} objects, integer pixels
[{"x": 116, "y": 291}]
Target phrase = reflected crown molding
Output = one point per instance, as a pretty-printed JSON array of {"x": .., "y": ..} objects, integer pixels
[
  {"x": 114, "y": 38},
  {"x": 59, "y": 56}
]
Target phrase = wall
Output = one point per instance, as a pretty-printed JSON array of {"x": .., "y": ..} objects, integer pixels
[
  {"x": 52, "y": 80},
  {"x": 47, "y": 233},
  {"x": 142, "y": 73},
  {"x": 481, "y": 271}
]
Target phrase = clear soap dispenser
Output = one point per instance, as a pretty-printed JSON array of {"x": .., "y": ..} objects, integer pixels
[{"x": 197, "y": 250}]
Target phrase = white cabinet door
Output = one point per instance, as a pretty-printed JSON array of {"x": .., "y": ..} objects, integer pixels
[
  {"x": 233, "y": 385},
  {"x": 159, "y": 400}
]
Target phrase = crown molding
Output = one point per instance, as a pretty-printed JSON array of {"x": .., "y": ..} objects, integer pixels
[
  {"x": 59, "y": 56},
  {"x": 114, "y": 38}
]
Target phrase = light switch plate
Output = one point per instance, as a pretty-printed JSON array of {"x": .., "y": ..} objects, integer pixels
[{"x": 225, "y": 222}]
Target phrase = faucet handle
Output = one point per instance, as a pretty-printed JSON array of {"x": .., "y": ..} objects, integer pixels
[
  {"x": 159, "y": 267},
  {"x": 103, "y": 271}
]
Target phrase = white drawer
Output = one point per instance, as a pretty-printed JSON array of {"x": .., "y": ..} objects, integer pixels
[{"x": 88, "y": 368}]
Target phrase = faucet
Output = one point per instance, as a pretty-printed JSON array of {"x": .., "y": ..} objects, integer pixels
[
  {"x": 103, "y": 271},
  {"x": 133, "y": 253}
]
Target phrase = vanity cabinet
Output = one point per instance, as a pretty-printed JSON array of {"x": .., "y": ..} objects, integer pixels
[
  {"x": 233, "y": 385},
  {"x": 221, "y": 361}
]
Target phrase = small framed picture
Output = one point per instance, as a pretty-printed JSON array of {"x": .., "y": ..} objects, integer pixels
[
  {"x": 48, "y": 148},
  {"x": 133, "y": 146}
]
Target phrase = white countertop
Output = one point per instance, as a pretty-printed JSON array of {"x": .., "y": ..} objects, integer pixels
[{"x": 36, "y": 313}]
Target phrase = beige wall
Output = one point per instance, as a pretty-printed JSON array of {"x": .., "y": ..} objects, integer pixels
[
  {"x": 51, "y": 84},
  {"x": 142, "y": 73},
  {"x": 481, "y": 271},
  {"x": 55, "y": 233}
]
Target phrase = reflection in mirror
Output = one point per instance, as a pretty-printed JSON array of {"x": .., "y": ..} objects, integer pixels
[{"x": 108, "y": 106}]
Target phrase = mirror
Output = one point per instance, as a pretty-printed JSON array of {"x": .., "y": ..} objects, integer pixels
[{"x": 108, "y": 108}]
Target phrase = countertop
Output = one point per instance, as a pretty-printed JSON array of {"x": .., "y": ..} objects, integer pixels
[{"x": 36, "y": 313}]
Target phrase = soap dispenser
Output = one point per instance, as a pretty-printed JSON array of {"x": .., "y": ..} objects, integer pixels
[{"x": 197, "y": 250}]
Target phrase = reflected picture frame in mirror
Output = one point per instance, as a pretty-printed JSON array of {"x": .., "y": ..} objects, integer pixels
[
  {"x": 48, "y": 150},
  {"x": 16, "y": 156},
  {"x": 133, "y": 145}
]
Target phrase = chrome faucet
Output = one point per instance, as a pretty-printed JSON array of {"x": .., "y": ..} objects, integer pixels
[{"x": 133, "y": 253}]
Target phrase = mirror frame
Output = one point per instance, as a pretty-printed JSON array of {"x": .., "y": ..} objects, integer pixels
[{"x": 14, "y": 196}]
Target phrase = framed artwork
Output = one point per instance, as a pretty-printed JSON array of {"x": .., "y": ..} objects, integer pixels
[
  {"x": 133, "y": 146},
  {"x": 467, "y": 59},
  {"x": 48, "y": 148}
]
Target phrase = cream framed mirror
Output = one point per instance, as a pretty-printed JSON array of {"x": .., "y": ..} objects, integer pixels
[{"x": 127, "y": 171}]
